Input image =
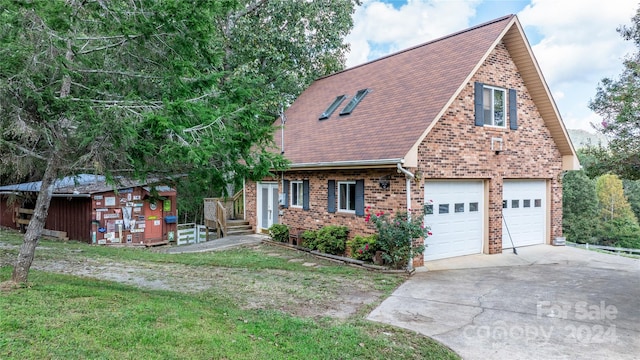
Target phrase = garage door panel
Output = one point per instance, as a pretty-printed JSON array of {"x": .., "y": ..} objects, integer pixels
[
  {"x": 456, "y": 220},
  {"x": 524, "y": 212}
]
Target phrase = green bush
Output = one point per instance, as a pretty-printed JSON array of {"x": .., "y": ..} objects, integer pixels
[
  {"x": 620, "y": 233},
  {"x": 279, "y": 232},
  {"x": 363, "y": 247},
  {"x": 309, "y": 239},
  {"x": 332, "y": 239}
]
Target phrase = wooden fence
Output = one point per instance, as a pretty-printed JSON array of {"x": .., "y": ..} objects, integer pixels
[{"x": 191, "y": 233}]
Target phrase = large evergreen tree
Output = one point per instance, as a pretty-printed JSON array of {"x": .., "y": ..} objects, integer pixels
[{"x": 141, "y": 87}]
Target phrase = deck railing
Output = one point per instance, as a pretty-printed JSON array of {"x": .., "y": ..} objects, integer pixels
[{"x": 218, "y": 212}]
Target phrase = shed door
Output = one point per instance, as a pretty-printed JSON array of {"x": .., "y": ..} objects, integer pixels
[
  {"x": 456, "y": 220},
  {"x": 153, "y": 223},
  {"x": 523, "y": 210}
]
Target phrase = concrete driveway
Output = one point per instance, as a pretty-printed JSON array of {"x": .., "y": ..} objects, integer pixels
[{"x": 544, "y": 303}]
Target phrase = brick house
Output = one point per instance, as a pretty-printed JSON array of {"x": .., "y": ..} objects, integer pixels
[{"x": 464, "y": 124}]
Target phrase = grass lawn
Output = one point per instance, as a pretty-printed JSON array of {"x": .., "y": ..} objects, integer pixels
[{"x": 72, "y": 317}]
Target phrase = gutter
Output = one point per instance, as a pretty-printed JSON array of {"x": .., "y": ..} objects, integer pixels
[{"x": 349, "y": 163}]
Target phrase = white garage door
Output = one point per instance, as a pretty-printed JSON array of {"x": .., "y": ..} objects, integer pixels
[
  {"x": 523, "y": 210},
  {"x": 455, "y": 218}
]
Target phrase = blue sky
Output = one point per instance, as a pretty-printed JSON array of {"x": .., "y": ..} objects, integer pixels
[{"x": 574, "y": 42}]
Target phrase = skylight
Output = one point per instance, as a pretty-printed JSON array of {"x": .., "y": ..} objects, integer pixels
[
  {"x": 354, "y": 102},
  {"x": 334, "y": 105}
]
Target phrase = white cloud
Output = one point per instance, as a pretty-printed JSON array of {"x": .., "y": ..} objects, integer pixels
[
  {"x": 579, "y": 46},
  {"x": 580, "y": 42},
  {"x": 380, "y": 28}
]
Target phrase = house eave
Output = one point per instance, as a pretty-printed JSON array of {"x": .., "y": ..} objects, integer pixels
[{"x": 350, "y": 164}]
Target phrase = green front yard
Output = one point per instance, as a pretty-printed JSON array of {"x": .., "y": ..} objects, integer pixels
[{"x": 251, "y": 303}]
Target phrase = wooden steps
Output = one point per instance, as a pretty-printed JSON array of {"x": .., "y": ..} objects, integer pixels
[{"x": 238, "y": 227}]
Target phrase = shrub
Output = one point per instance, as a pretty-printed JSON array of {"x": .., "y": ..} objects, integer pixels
[
  {"x": 332, "y": 239},
  {"x": 279, "y": 232},
  {"x": 363, "y": 247},
  {"x": 309, "y": 239},
  {"x": 395, "y": 236},
  {"x": 620, "y": 233}
]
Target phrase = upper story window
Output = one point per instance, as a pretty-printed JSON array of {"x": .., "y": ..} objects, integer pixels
[
  {"x": 297, "y": 193},
  {"x": 494, "y": 105},
  {"x": 334, "y": 105},
  {"x": 347, "y": 196},
  {"x": 492, "y": 108}
]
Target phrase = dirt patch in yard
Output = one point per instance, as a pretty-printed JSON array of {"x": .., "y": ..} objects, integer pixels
[{"x": 299, "y": 293}]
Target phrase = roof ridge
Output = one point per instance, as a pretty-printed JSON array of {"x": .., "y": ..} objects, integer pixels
[{"x": 487, "y": 23}]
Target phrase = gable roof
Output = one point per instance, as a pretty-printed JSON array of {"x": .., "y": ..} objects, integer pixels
[{"x": 408, "y": 92}]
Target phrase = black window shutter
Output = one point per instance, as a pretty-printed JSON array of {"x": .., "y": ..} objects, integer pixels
[
  {"x": 513, "y": 109},
  {"x": 359, "y": 197},
  {"x": 305, "y": 194},
  {"x": 331, "y": 196},
  {"x": 478, "y": 101},
  {"x": 285, "y": 191}
]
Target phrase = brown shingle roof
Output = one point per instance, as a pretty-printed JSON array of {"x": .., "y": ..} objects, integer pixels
[{"x": 408, "y": 90}]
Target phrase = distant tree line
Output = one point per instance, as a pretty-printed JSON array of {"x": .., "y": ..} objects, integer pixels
[
  {"x": 601, "y": 209},
  {"x": 602, "y": 202}
]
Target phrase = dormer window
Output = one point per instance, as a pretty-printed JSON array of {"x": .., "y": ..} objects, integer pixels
[
  {"x": 354, "y": 102},
  {"x": 334, "y": 105}
]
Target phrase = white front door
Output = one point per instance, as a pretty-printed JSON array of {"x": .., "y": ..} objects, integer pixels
[
  {"x": 455, "y": 213},
  {"x": 523, "y": 212},
  {"x": 267, "y": 205}
]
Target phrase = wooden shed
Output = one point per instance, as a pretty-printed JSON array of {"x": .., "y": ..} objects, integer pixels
[{"x": 86, "y": 208}]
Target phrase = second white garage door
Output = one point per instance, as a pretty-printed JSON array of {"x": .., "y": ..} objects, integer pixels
[
  {"x": 523, "y": 209},
  {"x": 455, "y": 218}
]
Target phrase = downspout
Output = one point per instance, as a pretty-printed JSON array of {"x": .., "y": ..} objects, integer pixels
[
  {"x": 283, "y": 120},
  {"x": 408, "y": 177}
]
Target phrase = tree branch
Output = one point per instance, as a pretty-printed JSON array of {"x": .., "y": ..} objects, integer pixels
[
  {"x": 24, "y": 150},
  {"x": 119, "y": 43},
  {"x": 111, "y": 72}
]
